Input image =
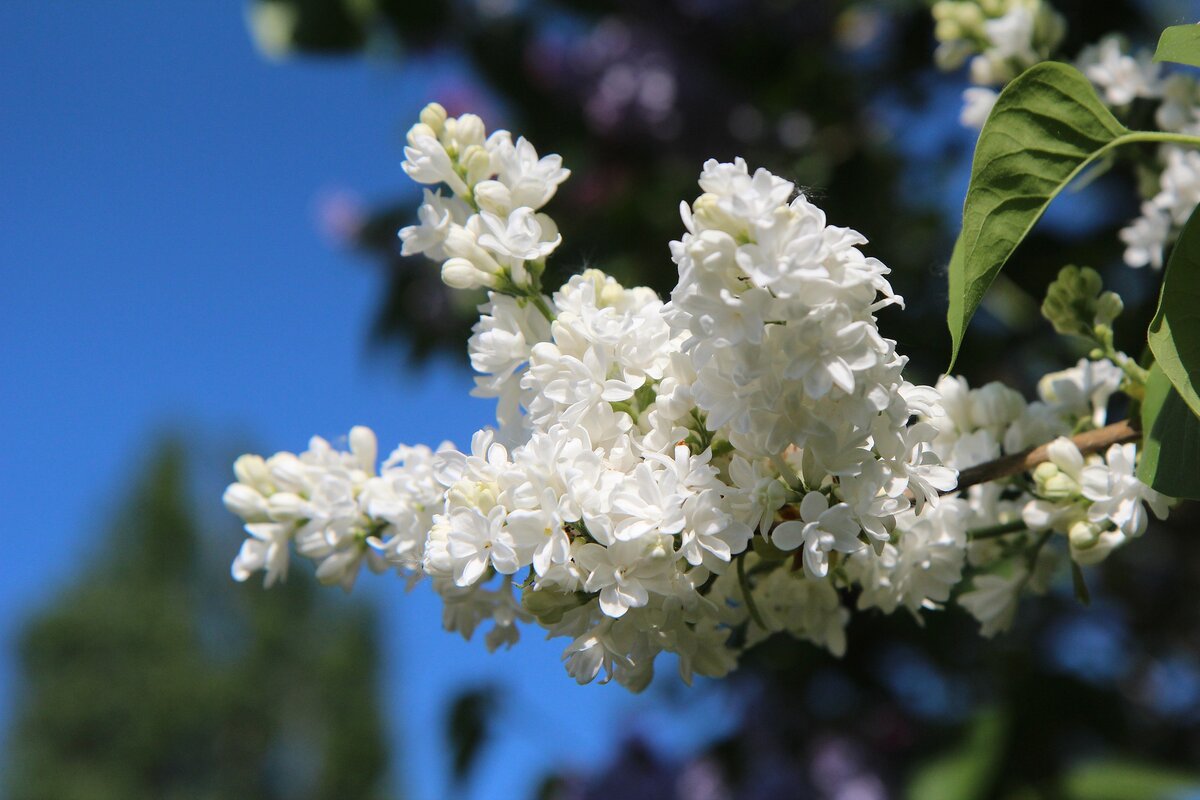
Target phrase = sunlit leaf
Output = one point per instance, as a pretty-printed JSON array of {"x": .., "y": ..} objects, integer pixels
[
  {"x": 1170, "y": 460},
  {"x": 1180, "y": 44},
  {"x": 1046, "y": 127},
  {"x": 1174, "y": 334}
]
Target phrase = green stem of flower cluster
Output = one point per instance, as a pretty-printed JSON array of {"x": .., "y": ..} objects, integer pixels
[{"x": 993, "y": 531}]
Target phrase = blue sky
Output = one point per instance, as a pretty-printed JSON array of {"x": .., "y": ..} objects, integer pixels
[{"x": 163, "y": 268}]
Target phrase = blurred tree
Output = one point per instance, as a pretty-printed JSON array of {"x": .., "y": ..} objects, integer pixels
[{"x": 155, "y": 676}]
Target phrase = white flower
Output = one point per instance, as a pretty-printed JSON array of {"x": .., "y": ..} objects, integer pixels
[
  {"x": 530, "y": 181},
  {"x": 625, "y": 572},
  {"x": 1091, "y": 544},
  {"x": 1116, "y": 493},
  {"x": 977, "y": 105},
  {"x": 807, "y": 609},
  {"x": 1011, "y": 35},
  {"x": 476, "y": 541},
  {"x": 1180, "y": 109},
  {"x": 592, "y": 653},
  {"x": 1120, "y": 77},
  {"x": 1146, "y": 237},
  {"x": 434, "y": 219},
  {"x": 821, "y": 529},
  {"x": 647, "y": 501},
  {"x": 712, "y": 536},
  {"x": 426, "y": 161},
  {"x": 266, "y": 549},
  {"x": 1179, "y": 183},
  {"x": 520, "y": 237},
  {"x": 992, "y": 600},
  {"x": 1083, "y": 391}
]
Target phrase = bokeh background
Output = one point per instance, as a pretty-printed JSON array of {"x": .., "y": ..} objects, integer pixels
[{"x": 199, "y": 205}]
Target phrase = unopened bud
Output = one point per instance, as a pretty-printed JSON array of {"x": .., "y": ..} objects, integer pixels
[
  {"x": 1108, "y": 307},
  {"x": 947, "y": 30},
  {"x": 434, "y": 116},
  {"x": 469, "y": 130},
  {"x": 459, "y": 273},
  {"x": 477, "y": 163},
  {"x": 1053, "y": 483},
  {"x": 494, "y": 197},
  {"x": 365, "y": 447},
  {"x": 252, "y": 471},
  {"x": 419, "y": 130},
  {"x": 1083, "y": 535}
]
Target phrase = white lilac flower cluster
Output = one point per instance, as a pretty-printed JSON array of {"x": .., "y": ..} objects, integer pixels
[
  {"x": 690, "y": 476},
  {"x": 998, "y": 39},
  {"x": 1095, "y": 502},
  {"x": 1005, "y": 37},
  {"x": 1172, "y": 188}
]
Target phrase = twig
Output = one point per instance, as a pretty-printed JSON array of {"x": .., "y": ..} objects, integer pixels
[{"x": 1088, "y": 442}]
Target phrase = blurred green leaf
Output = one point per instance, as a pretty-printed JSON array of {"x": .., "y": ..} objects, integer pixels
[
  {"x": 1180, "y": 44},
  {"x": 1126, "y": 780},
  {"x": 468, "y": 724},
  {"x": 1174, "y": 334},
  {"x": 966, "y": 772},
  {"x": 1045, "y": 128}
]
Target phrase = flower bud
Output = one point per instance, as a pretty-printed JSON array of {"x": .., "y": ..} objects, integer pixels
[
  {"x": 494, "y": 197},
  {"x": 947, "y": 30},
  {"x": 943, "y": 9},
  {"x": 1091, "y": 544},
  {"x": 459, "y": 273},
  {"x": 434, "y": 116},
  {"x": 988, "y": 71},
  {"x": 1053, "y": 483},
  {"x": 287, "y": 507},
  {"x": 252, "y": 471},
  {"x": 1108, "y": 308},
  {"x": 245, "y": 502},
  {"x": 1074, "y": 304},
  {"x": 1083, "y": 535},
  {"x": 969, "y": 16},
  {"x": 365, "y": 448},
  {"x": 478, "y": 164},
  {"x": 707, "y": 213},
  {"x": 418, "y": 131}
]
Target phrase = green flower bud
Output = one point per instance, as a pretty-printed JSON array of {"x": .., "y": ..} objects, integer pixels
[
  {"x": 1083, "y": 535},
  {"x": 947, "y": 30},
  {"x": 1108, "y": 308},
  {"x": 943, "y": 9},
  {"x": 1053, "y": 483},
  {"x": 1075, "y": 303}
]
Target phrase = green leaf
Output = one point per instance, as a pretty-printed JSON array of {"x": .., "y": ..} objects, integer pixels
[
  {"x": 1046, "y": 127},
  {"x": 1174, "y": 333},
  {"x": 1180, "y": 44},
  {"x": 1170, "y": 440},
  {"x": 1126, "y": 780},
  {"x": 966, "y": 772}
]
